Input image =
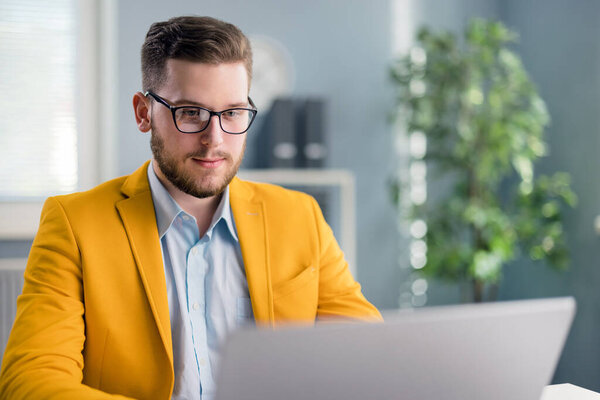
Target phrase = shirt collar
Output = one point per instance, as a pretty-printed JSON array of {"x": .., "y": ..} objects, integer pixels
[{"x": 167, "y": 209}]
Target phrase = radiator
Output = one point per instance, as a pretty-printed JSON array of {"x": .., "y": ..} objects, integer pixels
[{"x": 11, "y": 284}]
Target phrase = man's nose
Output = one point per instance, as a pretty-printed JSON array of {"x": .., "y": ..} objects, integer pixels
[{"x": 213, "y": 134}]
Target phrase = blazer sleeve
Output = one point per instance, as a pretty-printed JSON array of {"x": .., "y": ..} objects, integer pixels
[
  {"x": 340, "y": 295},
  {"x": 43, "y": 357}
]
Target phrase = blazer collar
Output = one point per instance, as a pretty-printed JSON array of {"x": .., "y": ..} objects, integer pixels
[
  {"x": 250, "y": 220},
  {"x": 139, "y": 221},
  {"x": 137, "y": 182}
]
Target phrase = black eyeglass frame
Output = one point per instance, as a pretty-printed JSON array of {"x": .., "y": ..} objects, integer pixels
[{"x": 253, "y": 111}]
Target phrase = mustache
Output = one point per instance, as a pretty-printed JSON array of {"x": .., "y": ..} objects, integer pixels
[{"x": 208, "y": 154}]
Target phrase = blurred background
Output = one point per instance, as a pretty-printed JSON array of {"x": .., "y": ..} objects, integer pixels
[{"x": 333, "y": 56}]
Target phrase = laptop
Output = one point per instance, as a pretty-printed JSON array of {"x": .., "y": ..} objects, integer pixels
[{"x": 503, "y": 350}]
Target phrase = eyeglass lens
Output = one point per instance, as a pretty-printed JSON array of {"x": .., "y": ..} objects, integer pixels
[{"x": 193, "y": 119}]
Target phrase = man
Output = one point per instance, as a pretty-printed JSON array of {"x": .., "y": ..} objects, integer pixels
[{"x": 131, "y": 288}]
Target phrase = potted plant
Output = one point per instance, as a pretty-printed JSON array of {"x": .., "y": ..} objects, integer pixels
[{"x": 483, "y": 121}]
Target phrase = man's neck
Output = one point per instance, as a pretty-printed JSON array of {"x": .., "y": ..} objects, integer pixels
[{"x": 203, "y": 209}]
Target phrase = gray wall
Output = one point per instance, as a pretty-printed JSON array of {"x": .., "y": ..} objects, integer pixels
[{"x": 560, "y": 48}]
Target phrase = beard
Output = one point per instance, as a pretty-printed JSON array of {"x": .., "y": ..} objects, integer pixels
[{"x": 201, "y": 185}]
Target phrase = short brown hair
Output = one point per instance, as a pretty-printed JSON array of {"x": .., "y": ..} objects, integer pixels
[{"x": 200, "y": 39}]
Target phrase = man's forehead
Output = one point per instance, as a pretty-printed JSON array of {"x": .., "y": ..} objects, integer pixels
[
  {"x": 204, "y": 84},
  {"x": 176, "y": 67}
]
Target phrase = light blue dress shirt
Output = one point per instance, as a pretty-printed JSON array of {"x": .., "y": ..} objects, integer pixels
[{"x": 206, "y": 287}]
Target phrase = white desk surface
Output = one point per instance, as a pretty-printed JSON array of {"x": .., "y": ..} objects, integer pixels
[{"x": 566, "y": 391}]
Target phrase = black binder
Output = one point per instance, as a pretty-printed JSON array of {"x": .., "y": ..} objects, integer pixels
[
  {"x": 311, "y": 133},
  {"x": 280, "y": 149}
]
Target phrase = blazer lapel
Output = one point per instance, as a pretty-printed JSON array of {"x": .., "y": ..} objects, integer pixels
[
  {"x": 139, "y": 220},
  {"x": 250, "y": 221}
]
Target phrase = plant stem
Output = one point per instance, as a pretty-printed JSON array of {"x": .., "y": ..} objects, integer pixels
[{"x": 477, "y": 291}]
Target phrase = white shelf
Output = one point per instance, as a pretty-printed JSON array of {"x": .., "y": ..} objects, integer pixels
[{"x": 568, "y": 391}]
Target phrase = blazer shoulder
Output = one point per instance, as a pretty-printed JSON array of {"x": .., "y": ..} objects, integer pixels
[
  {"x": 268, "y": 192},
  {"x": 107, "y": 191}
]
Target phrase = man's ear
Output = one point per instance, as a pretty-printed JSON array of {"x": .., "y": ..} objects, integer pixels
[{"x": 141, "y": 107}]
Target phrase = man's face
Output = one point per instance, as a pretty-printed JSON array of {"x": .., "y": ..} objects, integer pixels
[{"x": 200, "y": 164}]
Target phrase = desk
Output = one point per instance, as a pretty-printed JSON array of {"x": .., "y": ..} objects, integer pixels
[{"x": 566, "y": 391}]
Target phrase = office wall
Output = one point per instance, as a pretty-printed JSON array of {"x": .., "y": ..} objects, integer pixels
[{"x": 560, "y": 46}]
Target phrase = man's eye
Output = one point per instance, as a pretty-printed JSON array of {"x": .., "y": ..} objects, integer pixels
[
  {"x": 190, "y": 112},
  {"x": 231, "y": 114}
]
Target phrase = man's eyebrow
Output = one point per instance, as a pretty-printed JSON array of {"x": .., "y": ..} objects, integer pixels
[{"x": 185, "y": 102}]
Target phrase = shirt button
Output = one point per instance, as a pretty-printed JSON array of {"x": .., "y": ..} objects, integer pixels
[
  {"x": 185, "y": 218},
  {"x": 195, "y": 306},
  {"x": 194, "y": 251},
  {"x": 202, "y": 362}
]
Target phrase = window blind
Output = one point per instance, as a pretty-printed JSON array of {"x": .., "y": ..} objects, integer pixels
[{"x": 38, "y": 76}]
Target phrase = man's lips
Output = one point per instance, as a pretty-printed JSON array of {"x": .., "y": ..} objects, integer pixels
[{"x": 209, "y": 162}]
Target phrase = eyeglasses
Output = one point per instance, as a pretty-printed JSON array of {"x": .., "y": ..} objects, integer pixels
[{"x": 193, "y": 119}]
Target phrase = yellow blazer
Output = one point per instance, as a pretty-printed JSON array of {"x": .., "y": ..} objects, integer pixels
[{"x": 93, "y": 317}]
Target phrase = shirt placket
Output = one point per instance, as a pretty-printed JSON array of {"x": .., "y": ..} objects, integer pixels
[{"x": 196, "y": 300}]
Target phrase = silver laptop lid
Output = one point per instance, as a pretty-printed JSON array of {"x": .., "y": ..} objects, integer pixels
[{"x": 505, "y": 350}]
